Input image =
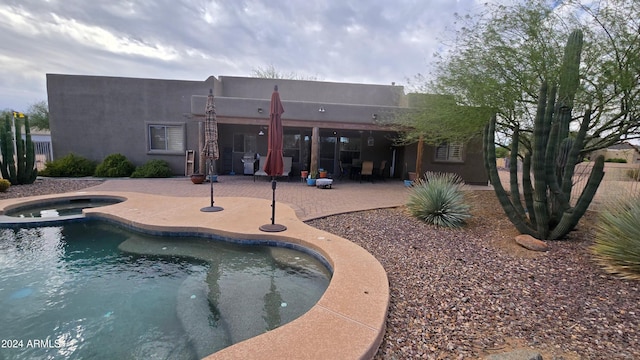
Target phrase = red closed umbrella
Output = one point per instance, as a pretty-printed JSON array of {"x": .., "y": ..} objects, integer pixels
[{"x": 273, "y": 164}]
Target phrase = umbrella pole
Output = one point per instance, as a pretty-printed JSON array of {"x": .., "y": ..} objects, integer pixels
[
  {"x": 273, "y": 227},
  {"x": 273, "y": 201},
  {"x": 211, "y": 208},
  {"x": 211, "y": 181}
]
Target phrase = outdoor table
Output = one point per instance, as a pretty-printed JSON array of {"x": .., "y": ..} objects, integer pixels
[{"x": 324, "y": 183}]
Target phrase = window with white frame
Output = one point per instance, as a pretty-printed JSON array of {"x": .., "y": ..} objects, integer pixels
[
  {"x": 166, "y": 138},
  {"x": 449, "y": 152}
]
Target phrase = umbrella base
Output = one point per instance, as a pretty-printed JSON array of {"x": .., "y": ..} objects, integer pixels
[
  {"x": 273, "y": 228},
  {"x": 211, "y": 209}
]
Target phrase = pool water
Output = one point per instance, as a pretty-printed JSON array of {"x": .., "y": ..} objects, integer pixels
[
  {"x": 59, "y": 208},
  {"x": 92, "y": 290}
]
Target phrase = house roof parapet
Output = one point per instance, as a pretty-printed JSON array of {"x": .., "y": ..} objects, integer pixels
[{"x": 294, "y": 110}]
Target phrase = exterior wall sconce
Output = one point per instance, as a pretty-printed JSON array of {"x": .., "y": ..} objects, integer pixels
[
  {"x": 261, "y": 132},
  {"x": 374, "y": 116},
  {"x": 321, "y": 109},
  {"x": 259, "y": 110}
]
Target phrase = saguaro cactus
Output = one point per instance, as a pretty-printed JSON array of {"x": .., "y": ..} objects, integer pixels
[
  {"x": 21, "y": 169},
  {"x": 547, "y": 213}
]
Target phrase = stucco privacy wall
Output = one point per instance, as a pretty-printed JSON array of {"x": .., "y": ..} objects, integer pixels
[{"x": 95, "y": 116}]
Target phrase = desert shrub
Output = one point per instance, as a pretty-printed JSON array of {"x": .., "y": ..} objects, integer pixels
[
  {"x": 153, "y": 169},
  {"x": 617, "y": 241},
  {"x": 634, "y": 174},
  {"x": 115, "y": 165},
  {"x": 616, "y": 160},
  {"x": 438, "y": 199},
  {"x": 4, "y": 185},
  {"x": 501, "y": 152},
  {"x": 69, "y": 166}
]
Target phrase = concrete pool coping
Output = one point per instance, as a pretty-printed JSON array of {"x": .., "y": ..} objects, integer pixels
[{"x": 348, "y": 322}]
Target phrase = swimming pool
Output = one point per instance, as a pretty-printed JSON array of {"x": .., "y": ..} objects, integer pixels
[{"x": 92, "y": 289}]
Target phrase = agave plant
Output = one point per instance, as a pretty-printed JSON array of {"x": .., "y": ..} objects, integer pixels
[
  {"x": 617, "y": 243},
  {"x": 438, "y": 199}
]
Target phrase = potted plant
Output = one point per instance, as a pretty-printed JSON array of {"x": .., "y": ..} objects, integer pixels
[
  {"x": 322, "y": 173},
  {"x": 197, "y": 178},
  {"x": 311, "y": 179},
  {"x": 313, "y": 174}
]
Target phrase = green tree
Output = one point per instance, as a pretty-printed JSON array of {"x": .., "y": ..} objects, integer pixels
[
  {"x": 37, "y": 112},
  {"x": 270, "y": 72},
  {"x": 500, "y": 57},
  {"x": 39, "y": 115},
  {"x": 550, "y": 106}
]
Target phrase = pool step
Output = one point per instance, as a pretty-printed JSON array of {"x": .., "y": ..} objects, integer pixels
[{"x": 205, "y": 330}]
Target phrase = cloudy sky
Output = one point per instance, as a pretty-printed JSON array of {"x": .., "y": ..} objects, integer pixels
[{"x": 361, "y": 41}]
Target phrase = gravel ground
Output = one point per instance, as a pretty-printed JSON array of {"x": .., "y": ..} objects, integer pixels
[
  {"x": 45, "y": 186},
  {"x": 468, "y": 293},
  {"x": 465, "y": 294}
]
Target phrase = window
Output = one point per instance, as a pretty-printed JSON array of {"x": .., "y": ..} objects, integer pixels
[
  {"x": 169, "y": 138},
  {"x": 449, "y": 152},
  {"x": 350, "y": 149},
  {"x": 291, "y": 146},
  {"x": 244, "y": 143}
]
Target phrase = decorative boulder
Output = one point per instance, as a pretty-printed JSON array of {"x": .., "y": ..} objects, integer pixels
[{"x": 531, "y": 243}]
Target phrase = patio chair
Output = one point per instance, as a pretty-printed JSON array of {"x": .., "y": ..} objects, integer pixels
[
  {"x": 366, "y": 170},
  {"x": 380, "y": 171},
  {"x": 343, "y": 170},
  {"x": 260, "y": 171},
  {"x": 287, "y": 162}
]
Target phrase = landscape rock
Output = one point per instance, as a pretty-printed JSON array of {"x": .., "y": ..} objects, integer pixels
[
  {"x": 520, "y": 354},
  {"x": 531, "y": 243}
]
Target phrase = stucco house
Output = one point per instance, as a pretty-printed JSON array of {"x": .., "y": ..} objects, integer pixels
[
  {"x": 626, "y": 151},
  {"x": 145, "y": 119}
]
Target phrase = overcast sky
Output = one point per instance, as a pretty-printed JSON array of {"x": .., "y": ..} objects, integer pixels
[{"x": 360, "y": 41}]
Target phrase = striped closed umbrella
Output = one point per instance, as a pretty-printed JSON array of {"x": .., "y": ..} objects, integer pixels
[{"x": 210, "y": 149}]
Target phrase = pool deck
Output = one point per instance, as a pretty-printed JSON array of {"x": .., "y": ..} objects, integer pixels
[{"x": 348, "y": 322}]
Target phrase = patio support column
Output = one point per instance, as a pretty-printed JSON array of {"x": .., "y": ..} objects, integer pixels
[
  {"x": 315, "y": 143},
  {"x": 419, "y": 157}
]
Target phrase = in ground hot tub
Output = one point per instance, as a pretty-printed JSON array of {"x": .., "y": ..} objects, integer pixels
[{"x": 54, "y": 209}]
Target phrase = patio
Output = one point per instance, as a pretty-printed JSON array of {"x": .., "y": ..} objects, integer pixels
[{"x": 308, "y": 202}]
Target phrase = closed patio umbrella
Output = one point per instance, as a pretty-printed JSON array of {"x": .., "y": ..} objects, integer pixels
[
  {"x": 274, "y": 165},
  {"x": 210, "y": 149}
]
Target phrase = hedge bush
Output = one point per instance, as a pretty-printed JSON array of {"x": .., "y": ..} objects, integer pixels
[
  {"x": 69, "y": 166},
  {"x": 153, "y": 169},
  {"x": 115, "y": 165}
]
